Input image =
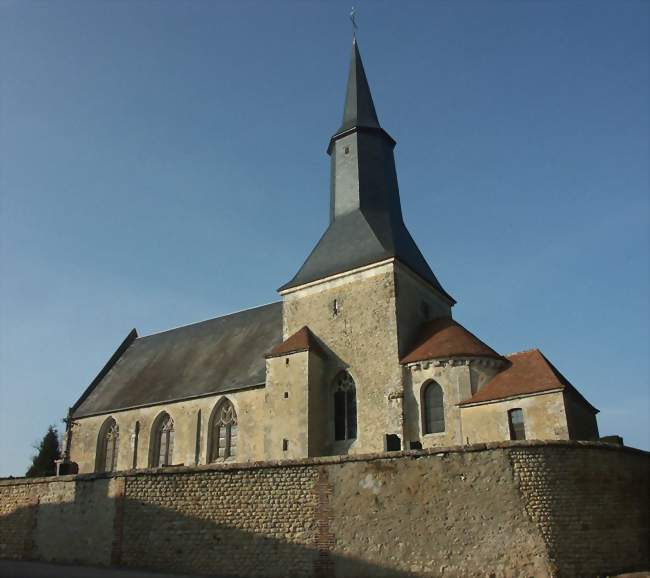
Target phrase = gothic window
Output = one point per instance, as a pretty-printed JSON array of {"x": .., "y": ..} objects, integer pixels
[
  {"x": 345, "y": 407},
  {"x": 162, "y": 435},
  {"x": 107, "y": 446},
  {"x": 516, "y": 424},
  {"x": 223, "y": 431},
  {"x": 433, "y": 408}
]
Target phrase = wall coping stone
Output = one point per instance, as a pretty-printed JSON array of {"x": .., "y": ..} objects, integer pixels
[{"x": 332, "y": 460}]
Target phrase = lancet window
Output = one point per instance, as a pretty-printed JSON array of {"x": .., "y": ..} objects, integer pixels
[
  {"x": 108, "y": 446},
  {"x": 223, "y": 431},
  {"x": 163, "y": 441}
]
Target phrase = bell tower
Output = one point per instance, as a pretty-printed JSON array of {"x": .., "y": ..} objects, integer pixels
[
  {"x": 365, "y": 288},
  {"x": 366, "y": 224}
]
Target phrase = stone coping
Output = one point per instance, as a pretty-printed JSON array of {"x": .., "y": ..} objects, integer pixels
[{"x": 330, "y": 460}]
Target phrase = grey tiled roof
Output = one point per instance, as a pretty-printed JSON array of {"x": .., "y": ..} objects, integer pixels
[{"x": 214, "y": 356}]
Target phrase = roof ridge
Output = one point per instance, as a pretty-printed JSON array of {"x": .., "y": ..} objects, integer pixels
[
  {"x": 524, "y": 351},
  {"x": 208, "y": 319}
]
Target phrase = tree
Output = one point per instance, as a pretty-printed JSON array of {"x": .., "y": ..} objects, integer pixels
[{"x": 48, "y": 451}]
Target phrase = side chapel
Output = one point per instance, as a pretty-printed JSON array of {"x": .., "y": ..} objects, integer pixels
[{"x": 362, "y": 354}]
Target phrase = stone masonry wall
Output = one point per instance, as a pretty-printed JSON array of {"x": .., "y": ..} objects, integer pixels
[
  {"x": 249, "y": 405},
  {"x": 591, "y": 506},
  {"x": 538, "y": 509},
  {"x": 361, "y": 337}
]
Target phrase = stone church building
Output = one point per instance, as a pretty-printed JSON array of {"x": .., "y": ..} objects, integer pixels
[{"x": 362, "y": 353}]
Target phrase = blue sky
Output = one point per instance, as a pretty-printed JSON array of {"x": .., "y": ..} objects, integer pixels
[{"x": 164, "y": 162}]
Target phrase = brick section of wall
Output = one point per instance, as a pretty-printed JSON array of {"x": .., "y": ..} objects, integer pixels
[
  {"x": 30, "y": 527},
  {"x": 118, "y": 521},
  {"x": 325, "y": 540},
  {"x": 518, "y": 509}
]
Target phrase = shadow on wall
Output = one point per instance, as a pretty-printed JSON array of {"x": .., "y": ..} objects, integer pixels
[
  {"x": 522, "y": 509},
  {"x": 113, "y": 531}
]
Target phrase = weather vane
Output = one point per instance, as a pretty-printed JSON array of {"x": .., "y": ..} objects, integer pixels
[{"x": 353, "y": 15}]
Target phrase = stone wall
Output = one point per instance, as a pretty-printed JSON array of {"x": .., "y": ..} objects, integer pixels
[
  {"x": 249, "y": 405},
  {"x": 416, "y": 302},
  {"x": 581, "y": 417},
  {"x": 457, "y": 378},
  {"x": 360, "y": 337},
  {"x": 544, "y": 418},
  {"x": 517, "y": 509},
  {"x": 287, "y": 400}
]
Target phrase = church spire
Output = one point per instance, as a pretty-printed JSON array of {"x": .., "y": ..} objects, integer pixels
[
  {"x": 366, "y": 223},
  {"x": 359, "y": 109}
]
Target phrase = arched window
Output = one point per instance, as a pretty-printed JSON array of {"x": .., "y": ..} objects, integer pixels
[
  {"x": 516, "y": 424},
  {"x": 223, "y": 431},
  {"x": 345, "y": 407},
  {"x": 433, "y": 408},
  {"x": 162, "y": 436},
  {"x": 107, "y": 446}
]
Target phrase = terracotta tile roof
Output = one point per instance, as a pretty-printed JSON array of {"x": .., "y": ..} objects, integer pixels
[
  {"x": 444, "y": 337},
  {"x": 529, "y": 373},
  {"x": 301, "y": 340}
]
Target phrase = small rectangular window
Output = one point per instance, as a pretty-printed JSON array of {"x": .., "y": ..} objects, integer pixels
[
  {"x": 393, "y": 443},
  {"x": 286, "y": 395},
  {"x": 516, "y": 424},
  {"x": 285, "y": 445}
]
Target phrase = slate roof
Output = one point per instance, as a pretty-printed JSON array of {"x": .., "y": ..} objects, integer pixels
[
  {"x": 214, "y": 356},
  {"x": 444, "y": 337},
  {"x": 359, "y": 109},
  {"x": 301, "y": 340},
  {"x": 529, "y": 373},
  {"x": 366, "y": 224}
]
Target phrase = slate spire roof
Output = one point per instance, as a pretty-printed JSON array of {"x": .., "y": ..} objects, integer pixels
[
  {"x": 359, "y": 109},
  {"x": 366, "y": 224}
]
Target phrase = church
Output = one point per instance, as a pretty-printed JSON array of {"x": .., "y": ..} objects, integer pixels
[{"x": 361, "y": 354}]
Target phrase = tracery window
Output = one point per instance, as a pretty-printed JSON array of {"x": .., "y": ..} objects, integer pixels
[
  {"x": 345, "y": 407},
  {"x": 433, "y": 408},
  {"x": 516, "y": 424},
  {"x": 223, "y": 431},
  {"x": 107, "y": 446},
  {"x": 163, "y": 441}
]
